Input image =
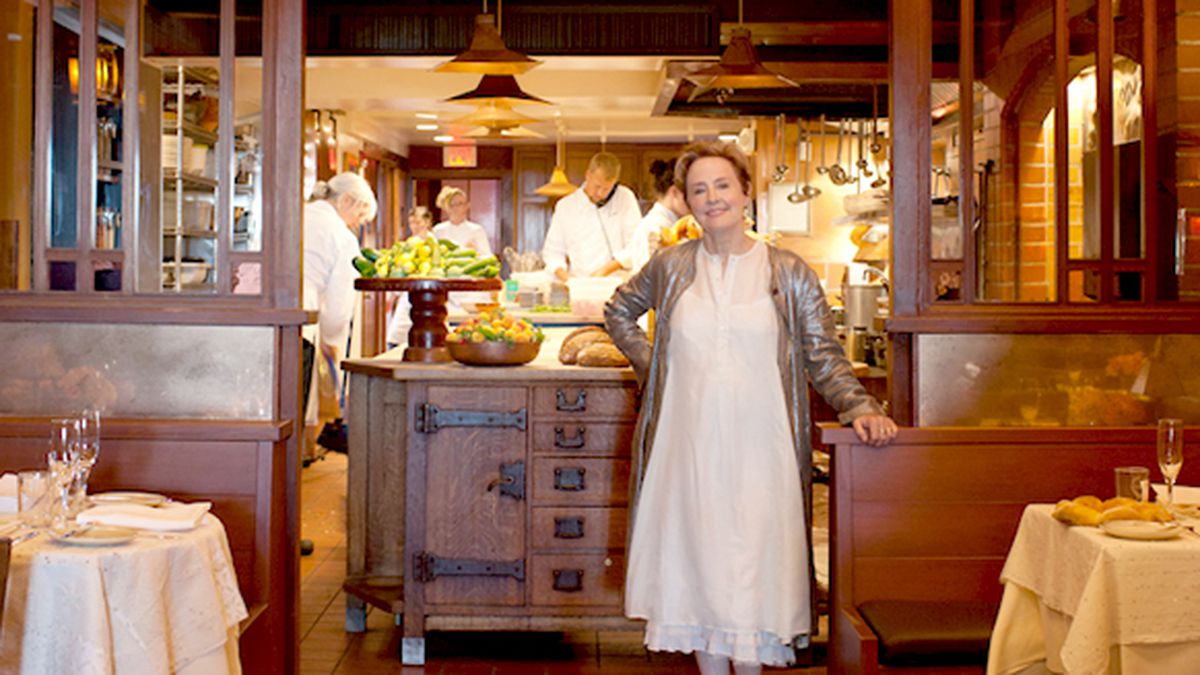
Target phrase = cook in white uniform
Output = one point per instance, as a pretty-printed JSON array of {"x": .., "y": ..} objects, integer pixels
[
  {"x": 454, "y": 205},
  {"x": 331, "y": 223},
  {"x": 591, "y": 228},
  {"x": 669, "y": 207}
]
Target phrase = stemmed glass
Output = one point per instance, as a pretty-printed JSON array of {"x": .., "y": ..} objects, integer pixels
[
  {"x": 1170, "y": 453},
  {"x": 60, "y": 459},
  {"x": 88, "y": 452}
]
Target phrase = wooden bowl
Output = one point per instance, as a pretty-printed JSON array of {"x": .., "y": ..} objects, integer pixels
[{"x": 493, "y": 353}]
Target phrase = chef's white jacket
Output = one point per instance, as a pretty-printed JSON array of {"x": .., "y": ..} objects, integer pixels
[
  {"x": 465, "y": 233},
  {"x": 329, "y": 274},
  {"x": 654, "y": 221},
  {"x": 582, "y": 237}
]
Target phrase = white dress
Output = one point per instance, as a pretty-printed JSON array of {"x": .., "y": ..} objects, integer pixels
[{"x": 717, "y": 560}]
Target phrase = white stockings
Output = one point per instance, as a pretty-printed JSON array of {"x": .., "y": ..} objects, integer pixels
[{"x": 715, "y": 664}]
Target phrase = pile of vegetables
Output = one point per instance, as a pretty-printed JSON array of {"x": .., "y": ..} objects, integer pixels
[
  {"x": 425, "y": 258},
  {"x": 495, "y": 327}
]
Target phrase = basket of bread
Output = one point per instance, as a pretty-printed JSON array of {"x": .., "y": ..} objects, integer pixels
[
  {"x": 494, "y": 339},
  {"x": 591, "y": 346},
  {"x": 1119, "y": 516}
]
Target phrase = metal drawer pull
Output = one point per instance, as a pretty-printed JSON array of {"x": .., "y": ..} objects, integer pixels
[
  {"x": 511, "y": 481},
  {"x": 561, "y": 440},
  {"x": 570, "y": 527},
  {"x": 568, "y": 581},
  {"x": 561, "y": 404},
  {"x": 569, "y": 479}
]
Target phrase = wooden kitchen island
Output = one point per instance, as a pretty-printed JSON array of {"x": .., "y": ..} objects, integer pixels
[{"x": 487, "y": 498}]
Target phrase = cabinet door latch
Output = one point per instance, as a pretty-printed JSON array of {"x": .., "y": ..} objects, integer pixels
[
  {"x": 431, "y": 418},
  {"x": 428, "y": 567},
  {"x": 511, "y": 482}
]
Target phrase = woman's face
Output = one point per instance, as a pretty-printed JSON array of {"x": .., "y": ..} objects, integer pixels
[
  {"x": 417, "y": 224},
  {"x": 715, "y": 195},
  {"x": 456, "y": 209}
]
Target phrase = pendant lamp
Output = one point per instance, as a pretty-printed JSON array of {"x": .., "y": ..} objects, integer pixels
[
  {"x": 495, "y": 115},
  {"x": 558, "y": 186},
  {"x": 739, "y": 67},
  {"x": 500, "y": 89},
  {"x": 486, "y": 53},
  {"x": 510, "y": 133}
]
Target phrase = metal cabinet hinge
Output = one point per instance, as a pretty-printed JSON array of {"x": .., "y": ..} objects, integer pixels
[
  {"x": 431, "y": 418},
  {"x": 428, "y": 567}
]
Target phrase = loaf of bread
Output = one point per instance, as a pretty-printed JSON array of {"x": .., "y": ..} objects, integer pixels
[
  {"x": 602, "y": 354},
  {"x": 578, "y": 340},
  {"x": 1090, "y": 511}
]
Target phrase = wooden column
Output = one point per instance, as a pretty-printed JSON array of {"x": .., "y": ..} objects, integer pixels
[{"x": 911, "y": 42}]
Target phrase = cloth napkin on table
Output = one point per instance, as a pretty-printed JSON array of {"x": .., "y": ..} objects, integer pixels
[
  {"x": 166, "y": 518},
  {"x": 1184, "y": 494},
  {"x": 8, "y": 493}
]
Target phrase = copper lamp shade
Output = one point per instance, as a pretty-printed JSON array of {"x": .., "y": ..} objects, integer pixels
[
  {"x": 487, "y": 54},
  {"x": 558, "y": 186},
  {"x": 739, "y": 68},
  {"x": 506, "y": 132},
  {"x": 499, "y": 89},
  {"x": 495, "y": 115}
]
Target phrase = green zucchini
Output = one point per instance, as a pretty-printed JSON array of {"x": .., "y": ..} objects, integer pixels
[
  {"x": 364, "y": 267},
  {"x": 480, "y": 265},
  {"x": 370, "y": 254}
]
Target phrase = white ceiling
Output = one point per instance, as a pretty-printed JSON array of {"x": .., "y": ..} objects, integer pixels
[{"x": 599, "y": 98}]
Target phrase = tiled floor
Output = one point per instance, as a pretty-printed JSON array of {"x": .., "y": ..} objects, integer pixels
[{"x": 326, "y": 648}]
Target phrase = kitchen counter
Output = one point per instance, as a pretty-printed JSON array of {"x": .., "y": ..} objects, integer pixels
[{"x": 544, "y": 367}]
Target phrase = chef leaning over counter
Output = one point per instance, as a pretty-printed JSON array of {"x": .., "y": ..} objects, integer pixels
[{"x": 591, "y": 228}]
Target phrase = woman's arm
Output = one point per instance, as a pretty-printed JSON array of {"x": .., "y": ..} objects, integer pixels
[{"x": 630, "y": 301}]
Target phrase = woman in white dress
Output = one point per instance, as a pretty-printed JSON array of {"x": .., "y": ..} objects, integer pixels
[
  {"x": 454, "y": 205},
  {"x": 719, "y": 558}
]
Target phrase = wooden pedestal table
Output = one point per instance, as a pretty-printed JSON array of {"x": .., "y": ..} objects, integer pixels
[{"x": 427, "y": 297}]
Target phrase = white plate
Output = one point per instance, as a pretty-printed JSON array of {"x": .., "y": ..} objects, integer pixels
[
  {"x": 99, "y": 535},
  {"x": 1141, "y": 529},
  {"x": 144, "y": 498}
]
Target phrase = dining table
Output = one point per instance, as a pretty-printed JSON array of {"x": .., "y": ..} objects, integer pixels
[
  {"x": 1078, "y": 600},
  {"x": 159, "y": 602}
]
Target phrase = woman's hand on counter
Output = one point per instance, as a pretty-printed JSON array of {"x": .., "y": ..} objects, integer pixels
[{"x": 875, "y": 430}]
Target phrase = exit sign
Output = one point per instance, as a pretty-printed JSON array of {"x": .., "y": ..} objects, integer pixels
[{"x": 458, "y": 156}]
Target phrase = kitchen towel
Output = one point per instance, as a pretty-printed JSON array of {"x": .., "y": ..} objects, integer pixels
[{"x": 172, "y": 517}]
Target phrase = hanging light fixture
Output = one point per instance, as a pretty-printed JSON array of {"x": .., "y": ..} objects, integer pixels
[
  {"x": 558, "y": 186},
  {"x": 486, "y": 53},
  {"x": 739, "y": 68},
  {"x": 495, "y": 115},
  {"x": 500, "y": 89},
  {"x": 510, "y": 133}
]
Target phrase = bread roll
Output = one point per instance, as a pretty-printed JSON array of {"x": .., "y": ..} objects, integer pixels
[
  {"x": 579, "y": 339},
  {"x": 1117, "y": 501},
  {"x": 1072, "y": 513},
  {"x": 602, "y": 354},
  {"x": 1128, "y": 512},
  {"x": 1090, "y": 501},
  {"x": 1154, "y": 511}
]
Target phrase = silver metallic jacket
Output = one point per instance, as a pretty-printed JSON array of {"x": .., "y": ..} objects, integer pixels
[{"x": 807, "y": 346}]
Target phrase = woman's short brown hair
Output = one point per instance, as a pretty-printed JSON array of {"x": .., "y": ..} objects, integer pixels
[{"x": 729, "y": 152}]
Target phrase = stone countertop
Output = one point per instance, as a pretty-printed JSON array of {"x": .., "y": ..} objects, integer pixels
[{"x": 545, "y": 367}]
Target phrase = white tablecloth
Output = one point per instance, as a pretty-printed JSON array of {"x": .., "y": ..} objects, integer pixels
[
  {"x": 1085, "y": 602},
  {"x": 154, "y": 605}
]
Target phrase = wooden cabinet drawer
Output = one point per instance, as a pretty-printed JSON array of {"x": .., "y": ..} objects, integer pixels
[
  {"x": 577, "y": 528},
  {"x": 583, "y": 438},
  {"x": 571, "y": 579},
  {"x": 577, "y": 401},
  {"x": 580, "y": 481}
]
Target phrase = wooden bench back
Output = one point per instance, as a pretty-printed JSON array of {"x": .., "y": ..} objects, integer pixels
[{"x": 932, "y": 516}]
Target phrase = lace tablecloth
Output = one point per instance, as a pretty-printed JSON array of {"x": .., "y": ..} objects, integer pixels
[
  {"x": 1082, "y": 597},
  {"x": 158, "y": 604}
]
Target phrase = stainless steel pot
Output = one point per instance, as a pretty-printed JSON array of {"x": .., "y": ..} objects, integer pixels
[{"x": 861, "y": 302}]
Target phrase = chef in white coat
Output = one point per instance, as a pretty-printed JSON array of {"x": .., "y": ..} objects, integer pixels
[
  {"x": 591, "y": 228},
  {"x": 331, "y": 223}
]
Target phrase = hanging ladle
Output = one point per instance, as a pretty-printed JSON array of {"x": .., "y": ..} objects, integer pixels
[
  {"x": 863, "y": 167},
  {"x": 807, "y": 192},
  {"x": 821, "y": 130},
  {"x": 781, "y": 167},
  {"x": 875, "y": 146},
  {"x": 837, "y": 173}
]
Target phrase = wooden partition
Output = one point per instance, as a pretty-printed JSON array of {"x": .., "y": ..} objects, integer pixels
[
  {"x": 238, "y": 466},
  {"x": 931, "y": 517}
]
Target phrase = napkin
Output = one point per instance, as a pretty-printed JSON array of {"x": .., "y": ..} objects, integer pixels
[
  {"x": 1184, "y": 494},
  {"x": 167, "y": 518},
  {"x": 8, "y": 493}
]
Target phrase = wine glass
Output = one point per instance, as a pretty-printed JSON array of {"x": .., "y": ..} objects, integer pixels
[
  {"x": 61, "y": 460},
  {"x": 88, "y": 451},
  {"x": 1170, "y": 453}
]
